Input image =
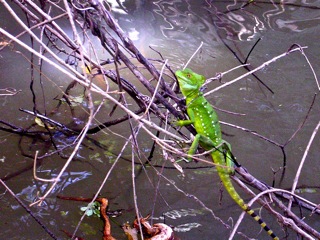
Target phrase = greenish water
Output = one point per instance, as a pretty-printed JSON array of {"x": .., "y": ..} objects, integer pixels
[{"x": 176, "y": 29}]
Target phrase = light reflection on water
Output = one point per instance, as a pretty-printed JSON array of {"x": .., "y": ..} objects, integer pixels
[
  {"x": 176, "y": 28},
  {"x": 31, "y": 193}
]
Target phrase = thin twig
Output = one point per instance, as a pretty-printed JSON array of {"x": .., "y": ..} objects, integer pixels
[
  {"x": 262, "y": 187},
  {"x": 254, "y": 70},
  {"x": 284, "y": 220},
  {"x": 35, "y": 171},
  {"x": 157, "y": 87},
  {"x": 221, "y": 74},
  {"x": 309, "y": 63},
  {"x": 57, "y": 179},
  {"x": 28, "y": 210},
  {"x": 192, "y": 56},
  {"x": 135, "y": 197},
  {"x": 104, "y": 181},
  {"x": 305, "y": 154}
]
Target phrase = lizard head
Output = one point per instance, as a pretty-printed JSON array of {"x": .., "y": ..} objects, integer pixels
[{"x": 189, "y": 81}]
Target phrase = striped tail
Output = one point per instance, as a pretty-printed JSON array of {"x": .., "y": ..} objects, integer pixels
[
  {"x": 248, "y": 210},
  {"x": 224, "y": 174}
]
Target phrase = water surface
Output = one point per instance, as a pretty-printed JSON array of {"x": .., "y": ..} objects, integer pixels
[{"x": 176, "y": 29}]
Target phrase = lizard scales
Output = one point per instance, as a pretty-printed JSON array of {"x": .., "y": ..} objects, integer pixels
[{"x": 205, "y": 120}]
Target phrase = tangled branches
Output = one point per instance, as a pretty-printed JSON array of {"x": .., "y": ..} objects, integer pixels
[{"x": 138, "y": 91}]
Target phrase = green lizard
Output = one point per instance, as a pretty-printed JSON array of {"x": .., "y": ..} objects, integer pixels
[{"x": 205, "y": 120}]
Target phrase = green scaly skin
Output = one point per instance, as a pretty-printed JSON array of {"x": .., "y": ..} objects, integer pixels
[{"x": 205, "y": 120}]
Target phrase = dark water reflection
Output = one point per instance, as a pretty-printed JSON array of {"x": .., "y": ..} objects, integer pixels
[{"x": 176, "y": 29}]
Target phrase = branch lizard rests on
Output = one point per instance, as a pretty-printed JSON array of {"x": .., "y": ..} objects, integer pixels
[{"x": 205, "y": 120}]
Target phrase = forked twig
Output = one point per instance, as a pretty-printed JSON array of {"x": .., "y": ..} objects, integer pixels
[
  {"x": 256, "y": 69},
  {"x": 158, "y": 98},
  {"x": 35, "y": 171}
]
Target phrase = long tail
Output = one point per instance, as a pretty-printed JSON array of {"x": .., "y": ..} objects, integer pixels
[{"x": 226, "y": 180}]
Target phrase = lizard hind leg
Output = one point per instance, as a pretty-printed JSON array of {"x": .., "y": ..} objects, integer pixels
[
  {"x": 230, "y": 158},
  {"x": 192, "y": 149}
]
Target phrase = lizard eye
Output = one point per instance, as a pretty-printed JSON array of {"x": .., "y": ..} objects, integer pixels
[{"x": 188, "y": 75}]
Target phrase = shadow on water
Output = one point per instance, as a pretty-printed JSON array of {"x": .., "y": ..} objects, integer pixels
[{"x": 229, "y": 32}]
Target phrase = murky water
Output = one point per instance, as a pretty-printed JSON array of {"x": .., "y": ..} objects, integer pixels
[{"x": 176, "y": 29}]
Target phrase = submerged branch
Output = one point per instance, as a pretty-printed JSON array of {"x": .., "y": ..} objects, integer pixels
[{"x": 150, "y": 106}]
